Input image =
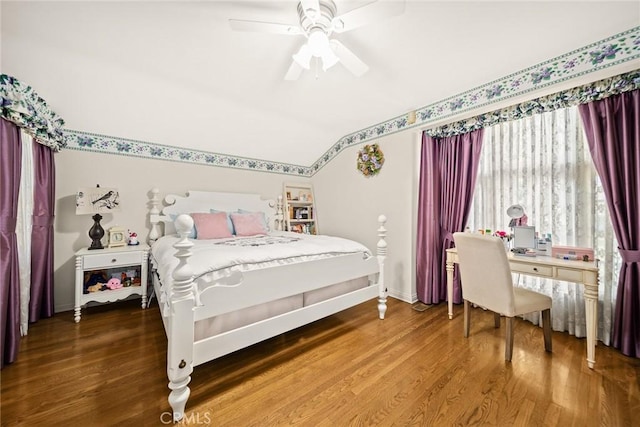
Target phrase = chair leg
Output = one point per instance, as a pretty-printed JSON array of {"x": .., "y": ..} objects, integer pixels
[
  {"x": 496, "y": 320},
  {"x": 466, "y": 318},
  {"x": 508, "y": 347},
  {"x": 546, "y": 329}
]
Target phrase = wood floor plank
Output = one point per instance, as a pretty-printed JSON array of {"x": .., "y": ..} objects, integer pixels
[{"x": 413, "y": 368}]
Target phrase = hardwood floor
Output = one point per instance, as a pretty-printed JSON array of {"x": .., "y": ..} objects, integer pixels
[{"x": 414, "y": 368}]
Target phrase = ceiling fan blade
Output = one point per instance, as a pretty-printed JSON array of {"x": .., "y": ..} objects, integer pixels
[
  {"x": 366, "y": 14},
  {"x": 294, "y": 72},
  {"x": 264, "y": 27},
  {"x": 311, "y": 9},
  {"x": 347, "y": 58}
]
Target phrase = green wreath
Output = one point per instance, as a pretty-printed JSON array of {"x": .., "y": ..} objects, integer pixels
[{"x": 370, "y": 160}]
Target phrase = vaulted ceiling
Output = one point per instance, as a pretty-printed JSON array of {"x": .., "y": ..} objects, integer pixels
[{"x": 175, "y": 73}]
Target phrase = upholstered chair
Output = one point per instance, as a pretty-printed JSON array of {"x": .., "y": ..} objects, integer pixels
[{"x": 486, "y": 281}]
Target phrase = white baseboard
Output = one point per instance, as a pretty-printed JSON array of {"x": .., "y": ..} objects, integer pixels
[{"x": 402, "y": 296}]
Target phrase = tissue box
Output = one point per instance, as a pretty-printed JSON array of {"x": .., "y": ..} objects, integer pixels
[{"x": 572, "y": 252}]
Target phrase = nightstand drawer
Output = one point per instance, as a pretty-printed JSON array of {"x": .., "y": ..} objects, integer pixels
[
  {"x": 107, "y": 260},
  {"x": 538, "y": 270}
]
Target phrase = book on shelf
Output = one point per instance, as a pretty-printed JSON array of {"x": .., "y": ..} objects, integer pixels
[{"x": 302, "y": 213}]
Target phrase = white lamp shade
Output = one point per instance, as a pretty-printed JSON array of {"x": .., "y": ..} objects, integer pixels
[
  {"x": 329, "y": 59},
  {"x": 97, "y": 200},
  {"x": 515, "y": 211},
  {"x": 318, "y": 42}
]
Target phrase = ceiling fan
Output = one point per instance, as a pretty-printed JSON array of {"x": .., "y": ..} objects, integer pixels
[{"x": 318, "y": 20}]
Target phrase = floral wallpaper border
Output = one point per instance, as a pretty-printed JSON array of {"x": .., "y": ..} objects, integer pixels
[
  {"x": 617, "y": 49},
  {"x": 130, "y": 147}
]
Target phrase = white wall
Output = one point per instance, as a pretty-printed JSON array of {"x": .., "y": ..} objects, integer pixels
[
  {"x": 134, "y": 177},
  {"x": 349, "y": 205}
]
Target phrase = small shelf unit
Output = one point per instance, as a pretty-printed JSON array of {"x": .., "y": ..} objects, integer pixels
[{"x": 299, "y": 208}]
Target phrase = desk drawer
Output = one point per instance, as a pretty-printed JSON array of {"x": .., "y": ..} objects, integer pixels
[
  {"x": 538, "y": 270},
  {"x": 569, "y": 274},
  {"x": 107, "y": 260}
]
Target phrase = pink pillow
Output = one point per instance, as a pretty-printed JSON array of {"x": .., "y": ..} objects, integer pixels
[
  {"x": 249, "y": 224},
  {"x": 211, "y": 225}
]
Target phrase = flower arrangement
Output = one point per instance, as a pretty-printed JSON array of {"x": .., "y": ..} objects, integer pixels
[
  {"x": 506, "y": 237},
  {"x": 370, "y": 160},
  {"x": 503, "y": 235}
]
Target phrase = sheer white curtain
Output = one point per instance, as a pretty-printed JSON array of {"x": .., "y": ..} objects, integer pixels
[
  {"x": 543, "y": 163},
  {"x": 24, "y": 226}
]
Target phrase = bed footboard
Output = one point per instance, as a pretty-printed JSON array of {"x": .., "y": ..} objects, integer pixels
[{"x": 182, "y": 305}]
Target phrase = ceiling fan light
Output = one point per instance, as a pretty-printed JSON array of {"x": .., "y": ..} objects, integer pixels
[
  {"x": 329, "y": 59},
  {"x": 303, "y": 57},
  {"x": 318, "y": 42}
]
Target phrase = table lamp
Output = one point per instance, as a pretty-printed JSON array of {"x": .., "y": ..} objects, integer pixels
[
  {"x": 96, "y": 201},
  {"x": 517, "y": 215}
]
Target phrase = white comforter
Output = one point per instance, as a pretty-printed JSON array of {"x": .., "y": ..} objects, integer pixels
[{"x": 222, "y": 256}]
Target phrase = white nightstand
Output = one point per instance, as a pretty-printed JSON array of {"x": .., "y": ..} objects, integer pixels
[{"x": 129, "y": 263}]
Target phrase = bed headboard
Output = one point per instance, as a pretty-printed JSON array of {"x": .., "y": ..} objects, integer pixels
[{"x": 204, "y": 201}]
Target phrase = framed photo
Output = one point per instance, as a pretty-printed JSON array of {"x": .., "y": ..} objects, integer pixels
[
  {"x": 304, "y": 196},
  {"x": 288, "y": 195}
]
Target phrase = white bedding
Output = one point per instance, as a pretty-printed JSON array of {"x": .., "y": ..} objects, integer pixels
[{"x": 220, "y": 258}]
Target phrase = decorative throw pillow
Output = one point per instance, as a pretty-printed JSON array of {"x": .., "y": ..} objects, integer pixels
[
  {"x": 192, "y": 233},
  {"x": 249, "y": 224},
  {"x": 229, "y": 223},
  {"x": 211, "y": 225},
  {"x": 262, "y": 215}
]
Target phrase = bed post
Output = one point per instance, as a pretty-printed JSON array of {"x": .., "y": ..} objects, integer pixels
[
  {"x": 180, "y": 328},
  {"x": 154, "y": 234},
  {"x": 279, "y": 215},
  {"x": 382, "y": 254}
]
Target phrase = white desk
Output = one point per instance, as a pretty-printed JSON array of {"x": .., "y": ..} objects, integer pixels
[{"x": 550, "y": 268}]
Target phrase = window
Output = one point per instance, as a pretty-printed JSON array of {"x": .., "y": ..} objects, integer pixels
[{"x": 543, "y": 163}]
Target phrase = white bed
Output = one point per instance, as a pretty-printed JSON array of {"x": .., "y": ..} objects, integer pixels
[{"x": 210, "y": 308}]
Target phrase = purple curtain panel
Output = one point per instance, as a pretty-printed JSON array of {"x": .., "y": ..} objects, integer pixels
[
  {"x": 612, "y": 127},
  {"x": 448, "y": 172},
  {"x": 10, "y": 164}
]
